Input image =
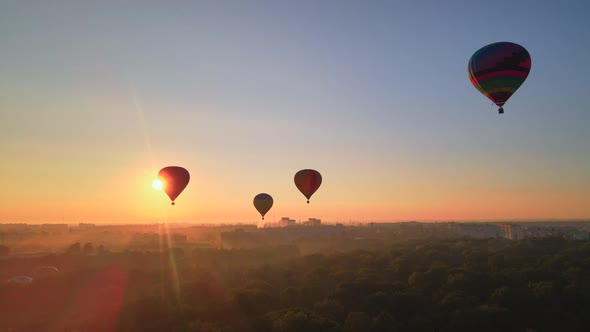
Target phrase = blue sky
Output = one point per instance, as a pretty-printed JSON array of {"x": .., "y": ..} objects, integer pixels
[{"x": 374, "y": 94}]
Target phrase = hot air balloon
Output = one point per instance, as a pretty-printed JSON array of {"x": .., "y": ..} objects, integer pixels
[
  {"x": 308, "y": 181},
  {"x": 498, "y": 70},
  {"x": 174, "y": 180},
  {"x": 263, "y": 203}
]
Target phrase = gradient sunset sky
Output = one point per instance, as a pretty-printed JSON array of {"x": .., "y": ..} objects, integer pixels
[{"x": 96, "y": 97}]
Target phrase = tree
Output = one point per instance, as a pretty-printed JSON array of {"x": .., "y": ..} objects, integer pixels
[
  {"x": 4, "y": 250},
  {"x": 384, "y": 323},
  {"x": 542, "y": 290},
  {"x": 74, "y": 248},
  {"x": 204, "y": 326},
  {"x": 358, "y": 322},
  {"x": 296, "y": 320},
  {"x": 88, "y": 248},
  {"x": 289, "y": 296},
  {"x": 330, "y": 308}
]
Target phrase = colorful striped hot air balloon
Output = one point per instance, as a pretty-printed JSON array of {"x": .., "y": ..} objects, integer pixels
[{"x": 498, "y": 70}]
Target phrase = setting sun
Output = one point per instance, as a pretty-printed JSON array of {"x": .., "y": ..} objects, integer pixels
[{"x": 157, "y": 184}]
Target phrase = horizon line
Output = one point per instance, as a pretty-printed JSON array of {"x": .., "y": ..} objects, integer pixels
[{"x": 327, "y": 222}]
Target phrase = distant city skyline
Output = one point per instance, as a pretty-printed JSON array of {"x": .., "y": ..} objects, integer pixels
[{"x": 96, "y": 97}]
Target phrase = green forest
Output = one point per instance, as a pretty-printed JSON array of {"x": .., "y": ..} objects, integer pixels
[{"x": 415, "y": 285}]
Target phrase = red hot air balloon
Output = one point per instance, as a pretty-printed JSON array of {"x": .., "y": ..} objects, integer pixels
[
  {"x": 263, "y": 203},
  {"x": 174, "y": 180},
  {"x": 308, "y": 181},
  {"x": 498, "y": 70}
]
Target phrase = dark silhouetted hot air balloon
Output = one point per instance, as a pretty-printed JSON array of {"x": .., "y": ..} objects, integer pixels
[
  {"x": 308, "y": 181},
  {"x": 498, "y": 70},
  {"x": 263, "y": 203},
  {"x": 174, "y": 180}
]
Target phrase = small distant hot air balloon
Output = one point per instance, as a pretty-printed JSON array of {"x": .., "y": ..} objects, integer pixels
[
  {"x": 308, "y": 181},
  {"x": 498, "y": 70},
  {"x": 263, "y": 203},
  {"x": 174, "y": 180}
]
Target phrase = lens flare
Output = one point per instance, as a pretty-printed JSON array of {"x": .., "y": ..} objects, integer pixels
[{"x": 157, "y": 184}]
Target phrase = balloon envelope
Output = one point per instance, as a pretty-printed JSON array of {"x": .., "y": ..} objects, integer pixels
[
  {"x": 498, "y": 70},
  {"x": 263, "y": 203},
  {"x": 308, "y": 181},
  {"x": 174, "y": 180}
]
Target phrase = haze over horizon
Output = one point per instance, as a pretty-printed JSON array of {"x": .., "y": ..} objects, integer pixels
[{"x": 97, "y": 97}]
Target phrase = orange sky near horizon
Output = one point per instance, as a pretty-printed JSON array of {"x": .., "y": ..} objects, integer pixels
[
  {"x": 109, "y": 180},
  {"x": 126, "y": 195}
]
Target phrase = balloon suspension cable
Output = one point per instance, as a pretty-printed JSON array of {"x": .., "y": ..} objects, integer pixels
[
  {"x": 501, "y": 110},
  {"x": 172, "y": 203}
]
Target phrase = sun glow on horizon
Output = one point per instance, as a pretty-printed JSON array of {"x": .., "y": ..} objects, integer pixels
[{"x": 157, "y": 184}]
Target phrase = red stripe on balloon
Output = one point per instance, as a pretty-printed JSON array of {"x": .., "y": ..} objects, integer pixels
[{"x": 503, "y": 73}]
